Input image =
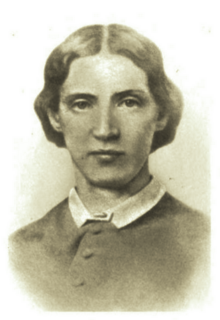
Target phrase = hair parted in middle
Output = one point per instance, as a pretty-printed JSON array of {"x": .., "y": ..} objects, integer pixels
[{"x": 120, "y": 40}]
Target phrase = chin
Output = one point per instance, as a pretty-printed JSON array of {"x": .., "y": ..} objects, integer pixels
[{"x": 110, "y": 183}]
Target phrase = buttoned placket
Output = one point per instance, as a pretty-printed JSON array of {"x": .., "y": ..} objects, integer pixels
[{"x": 77, "y": 278}]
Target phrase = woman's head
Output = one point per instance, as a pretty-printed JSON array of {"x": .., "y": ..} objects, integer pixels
[{"x": 116, "y": 40}]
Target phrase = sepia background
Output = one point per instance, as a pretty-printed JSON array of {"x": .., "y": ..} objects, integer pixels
[{"x": 40, "y": 174}]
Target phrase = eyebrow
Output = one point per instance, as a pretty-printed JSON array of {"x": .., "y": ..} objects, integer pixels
[
  {"x": 71, "y": 97},
  {"x": 137, "y": 93},
  {"x": 117, "y": 95}
]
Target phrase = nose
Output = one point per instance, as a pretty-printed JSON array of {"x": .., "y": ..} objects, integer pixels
[{"x": 106, "y": 125}]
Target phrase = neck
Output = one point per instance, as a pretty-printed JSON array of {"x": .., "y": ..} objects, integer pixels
[{"x": 97, "y": 199}]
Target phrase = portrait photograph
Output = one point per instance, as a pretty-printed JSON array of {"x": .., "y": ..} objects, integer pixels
[{"x": 112, "y": 202}]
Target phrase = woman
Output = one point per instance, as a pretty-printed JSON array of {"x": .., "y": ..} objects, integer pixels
[{"x": 119, "y": 241}]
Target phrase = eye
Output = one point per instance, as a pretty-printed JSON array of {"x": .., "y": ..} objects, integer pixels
[
  {"x": 129, "y": 103},
  {"x": 81, "y": 105}
]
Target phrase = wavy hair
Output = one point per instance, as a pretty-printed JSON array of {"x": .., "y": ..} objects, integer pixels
[{"x": 121, "y": 40}]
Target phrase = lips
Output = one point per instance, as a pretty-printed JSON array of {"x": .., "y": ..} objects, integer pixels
[
  {"x": 106, "y": 156},
  {"x": 107, "y": 152}
]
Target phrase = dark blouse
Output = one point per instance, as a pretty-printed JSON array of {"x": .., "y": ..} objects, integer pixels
[{"x": 160, "y": 262}]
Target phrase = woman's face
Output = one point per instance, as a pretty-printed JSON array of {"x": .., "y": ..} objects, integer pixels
[{"x": 108, "y": 118}]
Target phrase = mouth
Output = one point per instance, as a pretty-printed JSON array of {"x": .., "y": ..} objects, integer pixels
[
  {"x": 106, "y": 156},
  {"x": 107, "y": 152}
]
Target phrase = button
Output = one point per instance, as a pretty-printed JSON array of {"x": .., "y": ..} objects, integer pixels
[{"x": 87, "y": 253}]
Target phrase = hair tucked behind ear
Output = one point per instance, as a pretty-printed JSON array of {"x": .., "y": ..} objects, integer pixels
[
  {"x": 173, "y": 106},
  {"x": 119, "y": 40}
]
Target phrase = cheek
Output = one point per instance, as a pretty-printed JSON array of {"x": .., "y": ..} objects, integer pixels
[
  {"x": 139, "y": 134},
  {"x": 75, "y": 133}
]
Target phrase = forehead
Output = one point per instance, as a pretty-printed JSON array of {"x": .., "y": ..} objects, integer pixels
[{"x": 104, "y": 71}]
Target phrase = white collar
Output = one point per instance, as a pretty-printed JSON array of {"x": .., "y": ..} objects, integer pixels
[{"x": 123, "y": 214}]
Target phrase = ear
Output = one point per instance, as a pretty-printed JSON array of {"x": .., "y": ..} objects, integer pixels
[
  {"x": 54, "y": 119},
  {"x": 162, "y": 120}
]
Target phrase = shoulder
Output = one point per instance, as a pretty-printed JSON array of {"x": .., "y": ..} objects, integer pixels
[
  {"x": 188, "y": 233},
  {"x": 179, "y": 229},
  {"x": 179, "y": 239},
  {"x": 175, "y": 219},
  {"x": 174, "y": 212},
  {"x": 37, "y": 250},
  {"x": 36, "y": 231},
  {"x": 189, "y": 227},
  {"x": 45, "y": 236}
]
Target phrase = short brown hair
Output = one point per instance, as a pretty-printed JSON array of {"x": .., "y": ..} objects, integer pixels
[{"x": 120, "y": 40}]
